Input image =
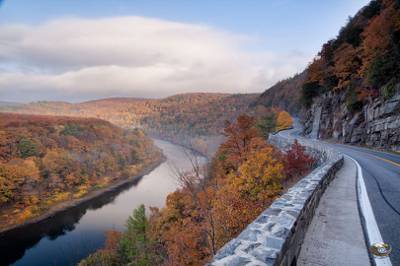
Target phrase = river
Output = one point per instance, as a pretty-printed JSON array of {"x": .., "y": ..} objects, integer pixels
[{"x": 73, "y": 234}]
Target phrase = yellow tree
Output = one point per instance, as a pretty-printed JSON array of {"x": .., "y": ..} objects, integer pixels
[
  {"x": 247, "y": 192},
  {"x": 283, "y": 120}
]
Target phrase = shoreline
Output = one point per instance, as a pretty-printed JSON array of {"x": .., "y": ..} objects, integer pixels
[{"x": 63, "y": 206}]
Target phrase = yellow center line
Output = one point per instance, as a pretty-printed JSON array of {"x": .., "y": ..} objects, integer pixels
[
  {"x": 360, "y": 149},
  {"x": 386, "y": 160}
]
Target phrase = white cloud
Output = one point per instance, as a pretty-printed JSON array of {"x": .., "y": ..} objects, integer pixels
[{"x": 75, "y": 59}]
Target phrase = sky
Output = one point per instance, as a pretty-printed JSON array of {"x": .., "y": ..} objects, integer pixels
[{"x": 75, "y": 50}]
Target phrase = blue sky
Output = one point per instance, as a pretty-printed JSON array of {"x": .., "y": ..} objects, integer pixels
[{"x": 275, "y": 28}]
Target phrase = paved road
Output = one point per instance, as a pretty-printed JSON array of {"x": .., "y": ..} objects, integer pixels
[
  {"x": 335, "y": 235},
  {"x": 381, "y": 174}
]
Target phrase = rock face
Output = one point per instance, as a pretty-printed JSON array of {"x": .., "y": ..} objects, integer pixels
[{"x": 376, "y": 125}]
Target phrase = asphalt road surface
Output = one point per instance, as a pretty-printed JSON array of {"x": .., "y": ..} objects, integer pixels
[{"x": 381, "y": 174}]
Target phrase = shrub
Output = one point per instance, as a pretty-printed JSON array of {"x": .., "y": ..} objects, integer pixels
[
  {"x": 309, "y": 91},
  {"x": 26, "y": 148},
  {"x": 331, "y": 81},
  {"x": 395, "y": 38},
  {"x": 100, "y": 258},
  {"x": 389, "y": 90},
  {"x": 372, "y": 9},
  {"x": 7, "y": 186},
  {"x": 350, "y": 34},
  {"x": 297, "y": 161},
  {"x": 383, "y": 69},
  {"x": 72, "y": 130},
  {"x": 352, "y": 102},
  {"x": 267, "y": 124}
]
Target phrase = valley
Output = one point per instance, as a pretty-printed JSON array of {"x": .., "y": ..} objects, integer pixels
[{"x": 177, "y": 140}]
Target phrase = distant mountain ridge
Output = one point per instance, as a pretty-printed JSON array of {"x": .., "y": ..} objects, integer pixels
[{"x": 181, "y": 118}]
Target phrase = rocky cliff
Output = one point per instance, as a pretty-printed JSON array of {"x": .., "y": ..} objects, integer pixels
[
  {"x": 377, "y": 124},
  {"x": 350, "y": 92}
]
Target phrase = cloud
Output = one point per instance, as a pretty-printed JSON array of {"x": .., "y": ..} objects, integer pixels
[{"x": 76, "y": 59}]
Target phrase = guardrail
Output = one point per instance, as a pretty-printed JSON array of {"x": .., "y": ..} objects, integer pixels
[{"x": 275, "y": 237}]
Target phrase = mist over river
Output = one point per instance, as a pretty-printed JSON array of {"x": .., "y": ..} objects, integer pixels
[{"x": 71, "y": 235}]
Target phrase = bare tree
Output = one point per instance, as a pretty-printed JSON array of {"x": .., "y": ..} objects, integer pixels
[{"x": 195, "y": 180}]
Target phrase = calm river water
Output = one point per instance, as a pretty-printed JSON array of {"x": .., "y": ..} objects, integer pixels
[{"x": 70, "y": 236}]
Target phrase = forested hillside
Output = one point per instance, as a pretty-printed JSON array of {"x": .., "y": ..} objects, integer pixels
[
  {"x": 185, "y": 119},
  {"x": 352, "y": 87},
  {"x": 46, "y": 160},
  {"x": 285, "y": 94},
  {"x": 364, "y": 60}
]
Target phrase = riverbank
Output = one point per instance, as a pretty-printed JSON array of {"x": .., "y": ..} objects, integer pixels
[{"x": 63, "y": 206}]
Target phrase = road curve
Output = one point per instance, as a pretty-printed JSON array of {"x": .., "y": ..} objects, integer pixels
[{"x": 381, "y": 174}]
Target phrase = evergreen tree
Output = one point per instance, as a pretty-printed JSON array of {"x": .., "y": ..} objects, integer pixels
[
  {"x": 26, "y": 148},
  {"x": 267, "y": 124},
  {"x": 134, "y": 243}
]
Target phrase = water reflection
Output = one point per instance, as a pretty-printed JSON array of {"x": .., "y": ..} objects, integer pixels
[{"x": 71, "y": 235}]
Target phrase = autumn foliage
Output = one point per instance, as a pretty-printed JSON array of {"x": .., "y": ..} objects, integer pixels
[
  {"x": 174, "y": 118},
  {"x": 364, "y": 59},
  {"x": 272, "y": 120},
  {"x": 298, "y": 163},
  {"x": 46, "y": 160},
  {"x": 283, "y": 120},
  {"x": 215, "y": 204}
]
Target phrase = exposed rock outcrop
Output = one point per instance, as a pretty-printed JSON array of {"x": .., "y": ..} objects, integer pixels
[{"x": 376, "y": 125}]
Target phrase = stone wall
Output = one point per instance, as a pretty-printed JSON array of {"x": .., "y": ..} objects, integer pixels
[
  {"x": 275, "y": 237},
  {"x": 377, "y": 124}
]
